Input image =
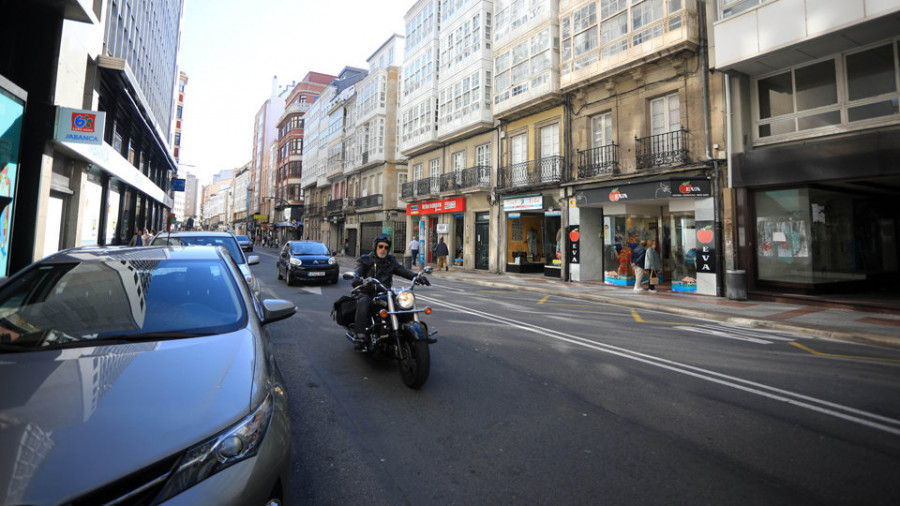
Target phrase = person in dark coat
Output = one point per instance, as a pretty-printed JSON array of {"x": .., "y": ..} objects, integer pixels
[
  {"x": 442, "y": 251},
  {"x": 382, "y": 265},
  {"x": 638, "y": 256}
]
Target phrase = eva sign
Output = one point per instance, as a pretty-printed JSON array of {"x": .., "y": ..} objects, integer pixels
[{"x": 706, "y": 247}]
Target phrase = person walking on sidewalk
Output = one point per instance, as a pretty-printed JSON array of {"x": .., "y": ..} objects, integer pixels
[
  {"x": 638, "y": 257},
  {"x": 414, "y": 250},
  {"x": 441, "y": 251},
  {"x": 652, "y": 264}
]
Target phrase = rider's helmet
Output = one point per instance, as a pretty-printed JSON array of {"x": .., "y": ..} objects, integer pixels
[{"x": 382, "y": 238}]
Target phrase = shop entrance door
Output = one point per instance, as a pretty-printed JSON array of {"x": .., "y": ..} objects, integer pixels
[
  {"x": 482, "y": 245},
  {"x": 351, "y": 235}
]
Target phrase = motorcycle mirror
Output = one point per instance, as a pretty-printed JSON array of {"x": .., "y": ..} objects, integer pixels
[
  {"x": 428, "y": 270},
  {"x": 349, "y": 275}
]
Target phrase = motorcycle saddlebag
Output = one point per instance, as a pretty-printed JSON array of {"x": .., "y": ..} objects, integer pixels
[{"x": 344, "y": 310}]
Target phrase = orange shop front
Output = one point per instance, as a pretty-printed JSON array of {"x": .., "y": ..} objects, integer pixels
[{"x": 435, "y": 219}]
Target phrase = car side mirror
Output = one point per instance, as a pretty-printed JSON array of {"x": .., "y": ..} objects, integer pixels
[
  {"x": 333, "y": 253},
  {"x": 252, "y": 260},
  {"x": 277, "y": 309}
]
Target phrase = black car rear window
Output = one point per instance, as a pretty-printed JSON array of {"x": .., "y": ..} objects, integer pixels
[{"x": 309, "y": 248}]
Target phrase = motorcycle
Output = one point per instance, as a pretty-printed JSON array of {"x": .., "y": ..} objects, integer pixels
[{"x": 396, "y": 331}]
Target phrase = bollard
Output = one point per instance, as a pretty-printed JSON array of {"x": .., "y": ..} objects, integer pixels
[{"x": 736, "y": 285}]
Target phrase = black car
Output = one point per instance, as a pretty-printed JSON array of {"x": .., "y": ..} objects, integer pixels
[{"x": 308, "y": 260}]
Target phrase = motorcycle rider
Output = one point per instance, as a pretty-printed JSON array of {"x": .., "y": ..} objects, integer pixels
[{"x": 382, "y": 265}]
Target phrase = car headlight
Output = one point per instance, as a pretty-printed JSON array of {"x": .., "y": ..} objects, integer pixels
[
  {"x": 296, "y": 261},
  {"x": 332, "y": 261},
  {"x": 239, "y": 442},
  {"x": 406, "y": 299}
]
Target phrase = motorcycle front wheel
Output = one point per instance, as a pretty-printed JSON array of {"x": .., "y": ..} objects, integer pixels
[{"x": 415, "y": 363}]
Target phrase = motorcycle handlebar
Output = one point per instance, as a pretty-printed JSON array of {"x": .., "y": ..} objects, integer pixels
[{"x": 379, "y": 286}]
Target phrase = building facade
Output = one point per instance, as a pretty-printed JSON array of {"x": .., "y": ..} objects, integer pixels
[
  {"x": 812, "y": 99},
  {"x": 283, "y": 199},
  {"x": 449, "y": 179},
  {"x": 97, "y": 74}
]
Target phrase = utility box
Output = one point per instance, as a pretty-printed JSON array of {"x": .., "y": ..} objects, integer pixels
[{"x": 736, "y": 285}]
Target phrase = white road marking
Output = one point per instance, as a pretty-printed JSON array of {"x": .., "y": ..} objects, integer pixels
[{"x": 865, "y": 418}]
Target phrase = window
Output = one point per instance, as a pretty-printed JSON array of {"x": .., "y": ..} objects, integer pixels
[
  {"x": 665, "y": 114},
  {"x": 519, "y": 149},
  {"x": 483, "y": 155},
  {"x": 417, "y": 172},
  {"x": 601, "y": 130},
  {"x": 459, "y": 161},
  {"x": 550, "y": 141},
  {"x": 830, "y": 95}
]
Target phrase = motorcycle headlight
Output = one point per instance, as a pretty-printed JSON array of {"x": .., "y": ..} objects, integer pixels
[
  {"x": 239, "y": 442},
  {"x": 331, "y": 261},
  {"x": 296, "y": 261},
  {"x": 406, "y": 299}
]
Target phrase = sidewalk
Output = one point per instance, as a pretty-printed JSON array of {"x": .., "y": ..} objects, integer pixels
[{"x": 839, "y": 324}]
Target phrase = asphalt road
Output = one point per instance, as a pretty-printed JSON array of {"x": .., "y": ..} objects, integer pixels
[{"x": 539, "y": 400}]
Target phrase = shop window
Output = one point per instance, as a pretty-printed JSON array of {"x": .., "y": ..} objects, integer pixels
[{"x": 458, "y": 239}]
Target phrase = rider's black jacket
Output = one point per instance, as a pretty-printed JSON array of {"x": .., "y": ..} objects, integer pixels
[{"x": 383, "y": 269}]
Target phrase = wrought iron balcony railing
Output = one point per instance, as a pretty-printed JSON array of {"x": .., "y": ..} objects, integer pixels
[
  {"x": 370, "y": 201},
  {"x": 408, "y": 190},
  {"x": 531, "y": 173},
  {"x": 600, "y": 161},
  {"x": 664, "y": 149},
  {"x": 335, "y": 205}
]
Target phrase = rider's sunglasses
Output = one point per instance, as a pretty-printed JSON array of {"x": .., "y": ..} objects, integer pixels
[{"x": 382, "y": 246}]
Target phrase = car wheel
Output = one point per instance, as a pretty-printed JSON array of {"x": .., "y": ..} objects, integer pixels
[{"x": 287, "y": 279}]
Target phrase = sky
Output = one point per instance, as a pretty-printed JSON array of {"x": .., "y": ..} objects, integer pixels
[{"x": 231, "y": 49}]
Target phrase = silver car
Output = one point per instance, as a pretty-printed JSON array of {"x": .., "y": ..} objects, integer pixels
[
  {"x": 140, "y": 376},
  {"x": 204, "y": 238}
]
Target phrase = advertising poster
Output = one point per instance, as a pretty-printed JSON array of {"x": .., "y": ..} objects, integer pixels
[
  {"x": 706, "y": 247},
  {"x": 573, "y": 248},
  {"x": 11, "y": 111}
]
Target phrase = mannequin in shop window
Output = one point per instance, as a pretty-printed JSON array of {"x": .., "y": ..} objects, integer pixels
[{"x": 532, "y": 239}]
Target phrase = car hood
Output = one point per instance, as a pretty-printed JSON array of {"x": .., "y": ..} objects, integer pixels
[
  {"x": 74, "y": 419},
  {"x": 313, "y": 258}
]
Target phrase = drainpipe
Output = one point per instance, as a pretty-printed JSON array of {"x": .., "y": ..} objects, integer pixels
[
  {"x": 496, "y": 196},
  {"x": 567, "y": 119}
]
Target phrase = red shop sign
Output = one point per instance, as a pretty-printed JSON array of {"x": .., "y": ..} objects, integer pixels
[{"x": 456, "y": 205}]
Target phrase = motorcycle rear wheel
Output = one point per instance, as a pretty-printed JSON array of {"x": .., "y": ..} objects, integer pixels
[{"x": 415, "y": 363}]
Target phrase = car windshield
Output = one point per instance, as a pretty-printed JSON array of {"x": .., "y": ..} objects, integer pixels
[
  {"x": 71, "y": 304},
  {"x": 242, "y": 238},
  {"x": 309, "y": 248},
  {"x": 226, "y": 242}
]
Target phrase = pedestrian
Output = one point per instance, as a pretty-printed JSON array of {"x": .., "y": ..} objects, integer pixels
[
  {"x": 652, "y": 264},
  {"x": 346, "y": 246},
  {"x": 145, "y": 238},
  {"x": 414, "y": 250},
  {"x": 638, "y": 257},
  {"x": 441, "y": 251},
  {"x": 136, "y": 240}
]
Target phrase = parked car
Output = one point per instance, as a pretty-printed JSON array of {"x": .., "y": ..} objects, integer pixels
[
  {"x": 203, "y": 238},
  {"x": 307, "y": 260},
  {"x": 245, "y": 243},
  {"x": 140, "y": 376}
]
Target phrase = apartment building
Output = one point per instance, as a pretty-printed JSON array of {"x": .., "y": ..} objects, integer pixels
[
  {"x": 364, "y": 200},
  {"x": 645, "y": 114},
  {"x": 330, "y": 125},
  {"x": 92, "y": 162},
  {"x": 447, "y": 129},
  {"x": 179, "y": 109},
  {"x": 265, "y": 135},
  {"x": 528, "y": 104},
  {"x": 218, "y": 202},
  {"x": 283, "y": 202},
  {"x": 812, "y": 100}
]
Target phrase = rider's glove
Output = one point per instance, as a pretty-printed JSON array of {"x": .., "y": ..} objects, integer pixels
[
  {"x": 357, "y": 282},
  {"x": 423, "y": 281}
]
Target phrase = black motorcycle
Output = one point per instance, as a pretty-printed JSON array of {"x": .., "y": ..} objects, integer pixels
[{"x": 395, "y": 331}]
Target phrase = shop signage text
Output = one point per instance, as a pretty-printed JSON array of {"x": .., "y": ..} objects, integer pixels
[
  {"x": 437, "y": 207},
  {"x": 652, "y": 190},
  {"x": 523, "y": 203},
  {"x": 80, "y": 126},
  {"x": 706, "y": 249}
]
